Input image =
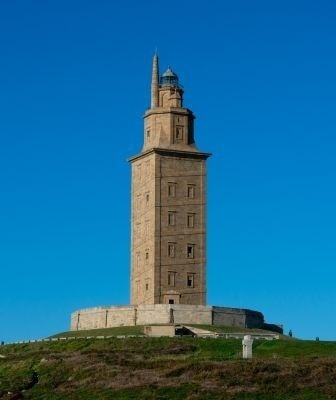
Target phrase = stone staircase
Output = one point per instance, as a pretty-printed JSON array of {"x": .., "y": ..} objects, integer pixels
[{"x": 201, "y": 332}]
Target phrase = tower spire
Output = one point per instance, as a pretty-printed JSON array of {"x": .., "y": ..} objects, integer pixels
[{"x": 155, "y": 82}]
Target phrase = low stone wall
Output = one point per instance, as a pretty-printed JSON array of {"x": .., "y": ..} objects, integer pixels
[
  {"x": 153, "y": 314},
  {"x": 238, "y": 317},
  {"x": 114, "y": 316},
  {"x": 103, "y": 317},
  {"x": 198, "y": 315}
]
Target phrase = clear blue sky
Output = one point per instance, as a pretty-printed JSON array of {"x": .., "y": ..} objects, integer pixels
[{"x": 74, "y": 84}]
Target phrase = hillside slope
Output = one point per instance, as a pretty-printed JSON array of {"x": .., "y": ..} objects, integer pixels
[{"x": 168, "y": 368}]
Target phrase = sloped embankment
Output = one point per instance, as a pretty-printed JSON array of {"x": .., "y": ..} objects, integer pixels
[{"x": 165, "y": 368}]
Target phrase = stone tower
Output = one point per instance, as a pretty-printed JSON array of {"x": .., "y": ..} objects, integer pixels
[{"x": 168, "y": 258}]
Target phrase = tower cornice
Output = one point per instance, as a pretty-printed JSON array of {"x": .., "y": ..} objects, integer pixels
[
  {"x": 170, "y": 153},
  {"x": 166, "y": 110}
]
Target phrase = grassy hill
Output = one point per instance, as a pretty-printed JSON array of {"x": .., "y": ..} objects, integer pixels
[
  {"x": 138, "y": 330},
  {"x": 168, "y": 368}
]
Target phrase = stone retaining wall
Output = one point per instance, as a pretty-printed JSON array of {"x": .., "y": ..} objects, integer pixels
[{"x": 114, "y": 316}]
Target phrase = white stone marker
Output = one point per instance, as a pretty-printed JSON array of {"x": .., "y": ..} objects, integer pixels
[{"x": 247, "y": 346}]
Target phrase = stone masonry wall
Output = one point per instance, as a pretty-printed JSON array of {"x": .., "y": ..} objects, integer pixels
[
  {"x": 237, "y": 317},
  {"x": 199, "y": 315},
  {"x": 114, "y": 316},
  {"x": 102, "y": 317}
]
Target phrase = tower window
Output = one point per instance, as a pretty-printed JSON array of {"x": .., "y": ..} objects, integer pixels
[
  {"x": 171, "y": 301},
  {"x": 190, "y": 220},
  {"x": 171, "y": 278},
  {"x": 191, "y": 191},
  {"x": 171, "y": 217},
  {"x": 147, "y": 255},
  {"x": 138, "y": 201},
  {"x": 146, "y": 233},
  {"x": 148, "y": 133},
  {"x": 147, "y": 198},
  {"x": 171, "y": 189},
  {"x": 178, "y": 134},
  {"x": 147, "y": 168},
  {"x": 137, "y": 232},
  {"x": 138, "y": 172},
  {"x": 147, "y": 286},
  {"x": 171, "y": 249},
  {"x": 190, "y": 280},
  {"x": 190, "y": 250}
]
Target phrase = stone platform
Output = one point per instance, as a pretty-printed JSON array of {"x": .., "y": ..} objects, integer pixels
[{"x": 114, "y": 316}]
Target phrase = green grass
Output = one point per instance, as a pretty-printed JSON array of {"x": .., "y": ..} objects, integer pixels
[
  {"x": 118, "y": 331},
  {"x": 231, "y": 329},
  {"x": 170, "y": 368},
  {"x": 138, "y": 330},
  {"x": 293, "y": 348}
]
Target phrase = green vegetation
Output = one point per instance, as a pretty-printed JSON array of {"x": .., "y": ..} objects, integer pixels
[
  {"x": 230, "y": 329},
  {"x": 138, "y": 330},
  {"x": 119, "y": 331},
  {"x": 169, "y": 368}
]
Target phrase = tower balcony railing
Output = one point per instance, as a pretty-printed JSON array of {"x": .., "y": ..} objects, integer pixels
[{"x": 174, "y": 85}]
